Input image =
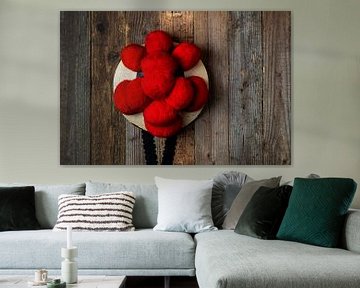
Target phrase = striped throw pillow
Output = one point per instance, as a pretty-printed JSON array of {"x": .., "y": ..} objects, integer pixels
[{"x": 105, "y": 212}]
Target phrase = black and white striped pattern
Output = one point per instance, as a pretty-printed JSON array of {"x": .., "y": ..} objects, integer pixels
[{"x": 104, "y": 212}]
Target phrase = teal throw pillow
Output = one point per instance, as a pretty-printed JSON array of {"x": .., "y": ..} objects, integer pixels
[{"x": 316, "y": 211}]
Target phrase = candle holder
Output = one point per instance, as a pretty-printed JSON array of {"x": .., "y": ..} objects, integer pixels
[{"x": 69, "y": 271}]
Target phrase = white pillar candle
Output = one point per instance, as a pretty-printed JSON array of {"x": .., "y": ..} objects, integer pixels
[{"x": 69, "y": 237}]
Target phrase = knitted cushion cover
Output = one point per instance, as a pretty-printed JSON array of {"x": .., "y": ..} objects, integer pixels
[
  {"x": 316, "y": 211},
  {"x": 105, "y": 212}
]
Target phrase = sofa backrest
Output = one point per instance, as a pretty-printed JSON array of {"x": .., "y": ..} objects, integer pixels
[
  {"x": 350, "y": 239},
  {"x": 46, "y": 200},
  {"x": 146, "y": 203}
]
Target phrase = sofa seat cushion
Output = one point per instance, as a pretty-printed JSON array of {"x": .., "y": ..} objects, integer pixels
[
  {"x": 141, "y": 249},
  {"x": 226, "y": 259}
]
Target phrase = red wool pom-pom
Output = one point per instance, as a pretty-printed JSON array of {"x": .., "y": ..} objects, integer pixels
[
  {"x": 164, "y": 131},
  {"x": 136, "y": 100},
  {"x": 132, "y": 55},
  {"x": 201, "y": 94},
  {"x": 158, "y": 63},
  {"x": 181, "y": 95},
  {"x": 157, "y": 41},
  {"x": 187, "y": 55},
  {"x": 159, "y": 113},
  {"x": 159, "y": 75},
  {"x": 157, "y": 86},
  {"x": 120, "y": 97},
  {"x": 129, "y": 97}
]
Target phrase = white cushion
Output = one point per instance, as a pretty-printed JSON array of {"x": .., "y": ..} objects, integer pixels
[{"x": 184, "y": 205}]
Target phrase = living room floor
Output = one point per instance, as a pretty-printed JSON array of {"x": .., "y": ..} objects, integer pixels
[{"x": 158, "y": 282}]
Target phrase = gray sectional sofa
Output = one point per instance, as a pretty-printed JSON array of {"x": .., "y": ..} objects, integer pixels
[{"x": 219, "y": 259}]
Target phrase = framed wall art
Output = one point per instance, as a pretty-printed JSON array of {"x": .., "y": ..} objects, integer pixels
[{"x": 175, "y": 88}]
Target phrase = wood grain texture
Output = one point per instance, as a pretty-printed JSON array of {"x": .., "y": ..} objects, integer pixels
[
  {"x": 277, "y": 88},
  {"x": 75, "y": 88},
  {"x": 108, "y": 134},
  {"x": 247, "y": 120},
  {"x": 218, "y": 63},
  {"x": 202, "y": 137},
  {"x": 246, "y": 94}
]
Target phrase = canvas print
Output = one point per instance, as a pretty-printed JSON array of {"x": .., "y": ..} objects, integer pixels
[{"x": 175, "y": 88}]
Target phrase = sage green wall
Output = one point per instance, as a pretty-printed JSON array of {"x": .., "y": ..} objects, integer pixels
[{"x": 326, "y": 91}]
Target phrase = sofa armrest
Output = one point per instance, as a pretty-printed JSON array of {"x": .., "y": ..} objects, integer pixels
[{"x": 351, "y": 234}]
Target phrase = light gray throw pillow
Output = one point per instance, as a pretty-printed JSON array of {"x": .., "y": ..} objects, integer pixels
[
  {"x": 184, "y": 205},
  {"x": 243, "y": 198}
]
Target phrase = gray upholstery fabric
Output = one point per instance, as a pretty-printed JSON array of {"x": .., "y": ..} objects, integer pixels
[
  {"x": 225, "y": 259},
  {"x": 351, "y": 234},
  {"x": 138, "y": 250},
  {"x": 146, "y": 204},
  {"x": 225, "y": 189},
  {"x": 46, "y": 200}
]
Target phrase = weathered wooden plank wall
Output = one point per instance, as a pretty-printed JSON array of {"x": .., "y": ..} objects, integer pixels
[
  {"x": 75, "y": 88},
  {"x": 276, "y": 88},
  {"x": 247, "y": 55}
]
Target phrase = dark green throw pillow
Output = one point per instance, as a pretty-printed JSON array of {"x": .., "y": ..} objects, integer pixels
[
  {"x": 264, "y": 213},
  {"x": 316, "y": 211},
  {"x": 17, "y": 208}
]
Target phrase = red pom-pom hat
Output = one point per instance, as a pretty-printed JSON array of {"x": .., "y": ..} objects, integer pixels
[{"x": 166, "y": 78}]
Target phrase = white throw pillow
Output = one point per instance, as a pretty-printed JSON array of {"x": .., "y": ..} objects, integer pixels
[
  {"x": 105, "y": 212},
  {"x": 184, "y": 205}
]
